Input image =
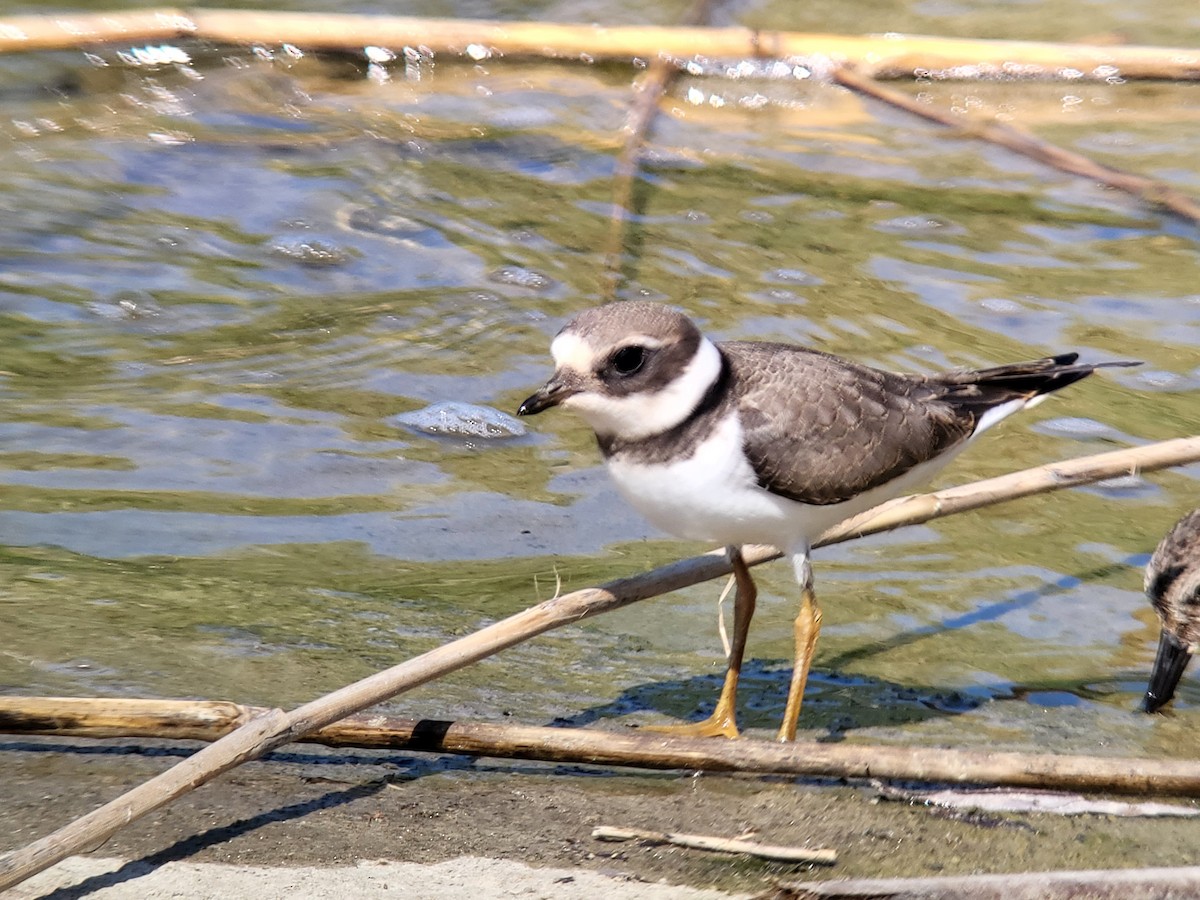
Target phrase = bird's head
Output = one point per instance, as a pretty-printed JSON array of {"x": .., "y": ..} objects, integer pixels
[{"x": 630, "y": 369}]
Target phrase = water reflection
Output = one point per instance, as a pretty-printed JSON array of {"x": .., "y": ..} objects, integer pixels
[{"x": 212, "y": 348}]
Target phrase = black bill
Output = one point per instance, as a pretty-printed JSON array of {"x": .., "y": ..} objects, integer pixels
[
  {"x": 552, "y": 393},
  {"x": 1169, "y": 664}
]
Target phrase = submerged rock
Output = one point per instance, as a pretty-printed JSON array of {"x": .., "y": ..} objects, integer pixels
[{"x": 450, "y": 417}]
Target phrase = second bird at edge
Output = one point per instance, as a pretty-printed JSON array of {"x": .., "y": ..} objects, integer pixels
[{"x": 1173, "y": 586}]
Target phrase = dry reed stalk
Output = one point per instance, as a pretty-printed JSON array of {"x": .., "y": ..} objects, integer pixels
[
  {"x": 878, "y": 56},
  {"x": 275, "y": 728},
  {"x": 210, "y": 720},
  {"x": 1010, "y": 137}
]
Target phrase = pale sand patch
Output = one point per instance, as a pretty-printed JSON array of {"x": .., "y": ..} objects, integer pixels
[{"x": 464, "y": 878}]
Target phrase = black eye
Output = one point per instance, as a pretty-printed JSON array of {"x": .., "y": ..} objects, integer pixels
[{"x": 628, "y": 360}]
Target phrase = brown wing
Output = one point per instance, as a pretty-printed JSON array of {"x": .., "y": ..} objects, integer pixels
[{"x": 819, "y": 429}]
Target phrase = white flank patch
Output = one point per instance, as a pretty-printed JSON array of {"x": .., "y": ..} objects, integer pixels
[
  {"x": 642, "y": 414},
  {"x": 1003, "y": 411}
]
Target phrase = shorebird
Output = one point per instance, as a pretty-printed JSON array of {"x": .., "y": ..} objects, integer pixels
[
  {"x": 765, "y": 443},
  {"x": 1173, "y": 586}
]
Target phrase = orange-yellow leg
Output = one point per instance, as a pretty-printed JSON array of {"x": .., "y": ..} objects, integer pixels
[
  {"x": 723, "y": 721},
  {"x": 808, "y": 629}
]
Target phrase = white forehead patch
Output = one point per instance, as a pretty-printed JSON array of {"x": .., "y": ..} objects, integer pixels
[{"x": 572, "y": 352}]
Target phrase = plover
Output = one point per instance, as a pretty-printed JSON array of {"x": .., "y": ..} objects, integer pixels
[
  {"x": 766, "y": 443},
  {"x": 1173, "y": 586}
]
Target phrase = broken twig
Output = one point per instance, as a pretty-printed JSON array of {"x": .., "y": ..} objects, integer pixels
[{"x": 824, "y": 856}]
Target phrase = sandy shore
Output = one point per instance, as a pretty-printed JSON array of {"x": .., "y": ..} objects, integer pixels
[
  {"x": 312, "y": 822},
  {"x": 464, "y": 878}
]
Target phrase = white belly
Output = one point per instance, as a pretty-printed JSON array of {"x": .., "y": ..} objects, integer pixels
[{"x": 714, "y": 496}]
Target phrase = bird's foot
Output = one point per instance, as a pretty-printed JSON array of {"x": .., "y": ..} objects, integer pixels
[{"x": 714, "y": 726}]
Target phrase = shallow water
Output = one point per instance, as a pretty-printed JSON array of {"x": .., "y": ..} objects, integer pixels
[{"x": 228, "y": 286}]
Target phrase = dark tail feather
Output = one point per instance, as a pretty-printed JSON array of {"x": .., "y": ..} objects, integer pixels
[
  {"x": 1040, "y": 376},
  {"x": 982, "y": 389}
]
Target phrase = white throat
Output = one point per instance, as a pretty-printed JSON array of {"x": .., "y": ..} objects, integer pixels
[{"x": 640, "y": 415}]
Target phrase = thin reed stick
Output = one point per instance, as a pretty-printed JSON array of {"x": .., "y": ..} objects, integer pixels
[
  {"x": 648, "y": 91},
  {"x": 1149, "y": 190}
]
